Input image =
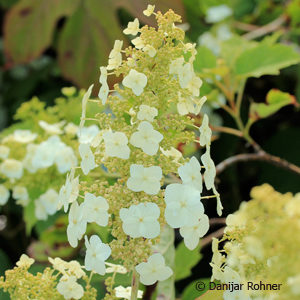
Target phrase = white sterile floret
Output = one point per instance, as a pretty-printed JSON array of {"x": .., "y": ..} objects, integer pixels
[
  {"x": 69, "y": 191},
  {"x": 40, "y": 210},
  {"x": 141, "y": 220},
  {"x": 192, "y": 233},
  {"x": 85, "y": 99},
  {"x": 146, "y": 138},
  {"x": 103, "y": 75},
  {"x": 138, "y": 42},
  {"x": 150, "y": 50},
  {"x": 198, "y": 104},
  {"x": 69, "y": 288},
  {"x": 77, "y": 224},
  {"x": 21, "y": 195},
  {"x": 25, "y": 261},
  {"x": 135, "y": 81},
  {"x": 4, "y": 152},
  {"x": 95, "y": 209},
  {"x": 65, "y": 159},
  {"x": 185, "y": 75},
  {"x": 96, "y": 254},
  {"x": 210, "y": 169},
  {"x": 144, "y": 179},
  {"x": 50, "y": 201},
  {"x": 45, "y": 154},
  {"x": 115, "y": 56},
  {"x": 183, "y": 206},
  {"x": 147, "y": 113},
  {"x": 133, "y": 27},
  {"x": 27, "y": 161},
  {"x": 113, "y": 268},
  {"x": 12, "y": 168},
  {"x": 218, "y": 13},
  {"x": 87, "y": 134},
  {"x": 176, "y": 65},
  {"x": 103, "y": 92},
  {"x": 24, "y": 136},
  {"x": 205, "y": 132},
  {"x": 219, "y": 203},
  {"x": 71, "y": 129},
  {"x": 153, "y": 270},
  {"x": 87, "y": 158},
  {"x": 194, "y": 86},
  {"x": 176, "y": 154},
  {"x": 4, "y": 194},
  {"x": 149, "y": 11},
  {"x": 190, "y": 174},
  {"x": 125, "y": 293},
  {"x": 52, "y": 128},
  {"x": 116, "y": 144},
  {"x": 186, "y": 105}
]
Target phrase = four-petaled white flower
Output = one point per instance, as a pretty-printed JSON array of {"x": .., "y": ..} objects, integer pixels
[
  {"x": 186, "y": 105},
  {"x": 4, "y": 194},
  {"x": 176, "y": 65},
  {"x": 116, "y": 144},
  {"x": 183, "y": 206},
  {"x": 40, "y": 210},
  {"x": 218, "y": 13},
  {"x": 149, "y": 11},
  {"x": 115, "y": 56},
  {"x": 194, "y": 86},
  {"x": 52, "y": 128},
  {"x": 146, "y": 138},
  {"x": 150, "y": 50},
  {"x": 24, "y": 136},
  {"x": 192, "y": 233},
  {"x": 125, "y": 293},
  {"x": 12, "y": 168},
  {"x": 50, "y": 201},
  {"x": 25, "y": 261},
  {"x": 103, "y": 92},
  {"x": 138, "y": 42},
  {"x": 133, "y": 27},
  {"x": 147, "y": 113},
  {"x": 103, "y": 75},
  {"x": 135, "y": 81},
  {"x": 153, "y": 270},
  {"x": 95, "y": 209},
  {"x": 96, "y": 254},
  {"x": 69, "y": 191},
  {"x": 190, "y": 174},
  {"x": 185, "y": 75},
  {"x": 4, "y": 152},
  {"x": 205, "y": 132},
  {"x": 210, "y": 169},
  {"x": 77, "y": 224},
  {"x": 87, "y": 134},
  {"x": 144, "y": 179},
  {"x": 71, "y": 129},
  {"x": 65, "y": 159},
  {"x": 87, "y": 158},
  {"x": 141, "y": 220},
  {"x": 21, "y": 195},
  {"x": 69, "y": 288},
  {"x": 85, "y": 99}
]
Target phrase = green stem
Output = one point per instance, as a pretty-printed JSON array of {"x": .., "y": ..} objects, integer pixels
[{"x": 134, "y": 285}]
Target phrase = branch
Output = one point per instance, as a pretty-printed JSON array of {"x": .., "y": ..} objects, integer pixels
[
  {"x": 207, "y": 240},
  {"x": 260, "y": 156},
  {"x": 274, "y": 25}
]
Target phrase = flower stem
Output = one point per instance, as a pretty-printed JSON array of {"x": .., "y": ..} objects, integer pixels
[{"x": 134, "y": 285}]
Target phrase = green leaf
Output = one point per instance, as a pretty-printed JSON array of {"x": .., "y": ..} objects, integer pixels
[
  {"x": 265, "y": 59},
  {"x": 86, "y": 41},
  {"x": 185, "y": 260},
  {"x": 29, "y": 216},
  {"x": 212, "y": 295},
  {"x": 29, "y": 27},
  {"x": 166, "y": 289},
  {"x": 193, "y": 289},
  {"x": 275, "y": 100},
  {"x": 205, "y": 59}
]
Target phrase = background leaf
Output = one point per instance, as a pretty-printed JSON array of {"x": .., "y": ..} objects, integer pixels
[
  {"x": 265, "y": 59},
  {"x": 29, "y": 27},
  {"x": 185, "y": 259}
]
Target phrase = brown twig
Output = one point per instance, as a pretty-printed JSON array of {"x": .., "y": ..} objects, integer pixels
[
  {"x": 207, "y": 240},
  {"x": 217, "y": 221},
  {"x": 274, "y": 25},
  {"x": 227, "y": 130},
  {"x": 260, "y": 156},
  {"x": 245, "y": 26}
]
